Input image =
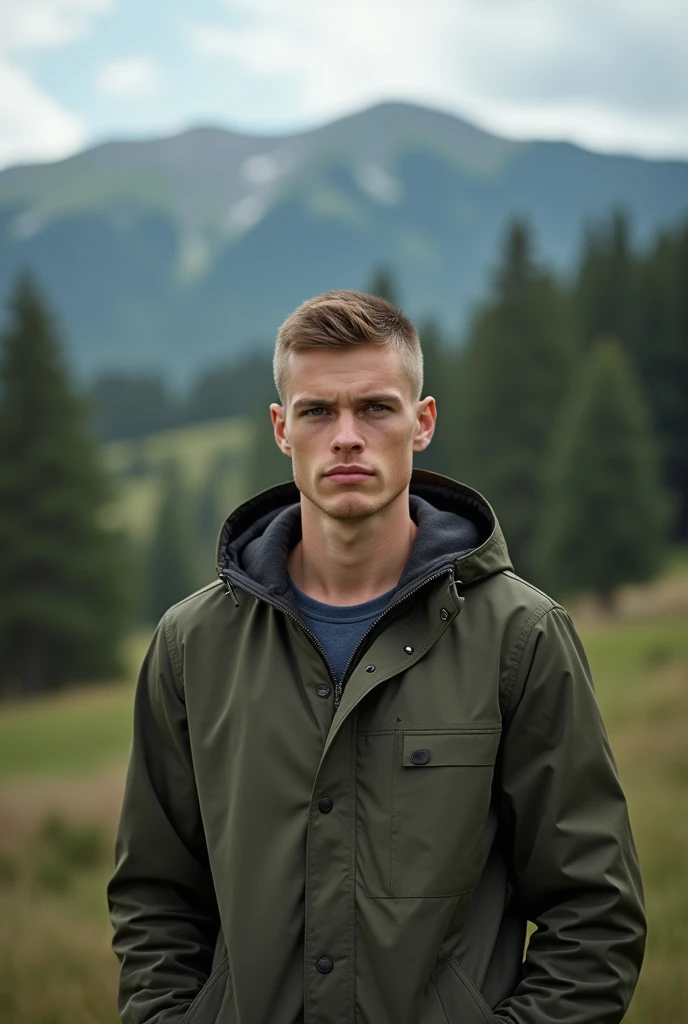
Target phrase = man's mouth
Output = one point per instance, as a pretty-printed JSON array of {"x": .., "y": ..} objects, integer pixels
[{"x": 349, "y": 474}]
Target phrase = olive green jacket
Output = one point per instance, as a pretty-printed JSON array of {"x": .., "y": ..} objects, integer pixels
[{"x": 291, "y": 850}]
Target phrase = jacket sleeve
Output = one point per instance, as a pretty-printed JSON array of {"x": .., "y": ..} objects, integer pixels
[
  {"x": 161, "y": 896},
  {"x": 576, "y": 871}
]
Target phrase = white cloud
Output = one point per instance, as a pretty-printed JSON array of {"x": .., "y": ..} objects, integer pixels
[
  {"x": 611, "y": 75},
  {"x": 136, "y": 76},
  {"x": 33, "y": 126},
  {"x": 44, "y": 24}
]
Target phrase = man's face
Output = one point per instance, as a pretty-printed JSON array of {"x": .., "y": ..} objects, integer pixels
[{"x": 351, "y": 424}]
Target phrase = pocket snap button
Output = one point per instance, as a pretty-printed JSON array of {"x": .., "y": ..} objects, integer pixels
[{"x": 420, "y": 756}]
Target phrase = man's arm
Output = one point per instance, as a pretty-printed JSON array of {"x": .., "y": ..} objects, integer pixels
[
  {"x": 575, "y": 865},
  {"x": 161, "y": 896}
]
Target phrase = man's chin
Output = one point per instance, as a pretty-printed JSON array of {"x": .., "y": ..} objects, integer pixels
[{"x": 350, "y": 506}]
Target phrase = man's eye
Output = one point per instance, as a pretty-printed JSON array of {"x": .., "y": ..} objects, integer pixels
[{"x": 318, "y": 410}]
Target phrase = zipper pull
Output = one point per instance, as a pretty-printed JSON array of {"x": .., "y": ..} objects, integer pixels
[
  {"x": 229, "y": 589},
  {"x": 455, "y": 595}
]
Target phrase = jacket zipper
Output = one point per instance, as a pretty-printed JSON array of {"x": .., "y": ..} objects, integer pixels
[
  {"x": 229, "y": 589},
  {"x": 423, "y": 583},
  {"x": 338, "y": 685}
]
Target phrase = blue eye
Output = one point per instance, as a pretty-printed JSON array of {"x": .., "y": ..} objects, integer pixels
[{"x": 318, "y": 410}]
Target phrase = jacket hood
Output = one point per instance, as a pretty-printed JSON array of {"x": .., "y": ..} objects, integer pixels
[{"x": 455, "y": 525}]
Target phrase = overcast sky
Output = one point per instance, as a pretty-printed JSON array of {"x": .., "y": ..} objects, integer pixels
[{"x": 609, "y": 74}]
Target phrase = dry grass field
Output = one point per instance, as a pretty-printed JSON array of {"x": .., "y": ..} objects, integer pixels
[{"x": 61, "y": 775}]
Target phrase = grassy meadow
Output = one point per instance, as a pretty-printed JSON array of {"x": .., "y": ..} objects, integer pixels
[
  {"x": 219, "y": 448},
  {"x": 62, "y": 766}
]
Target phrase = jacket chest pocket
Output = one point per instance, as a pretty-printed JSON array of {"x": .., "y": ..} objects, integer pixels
[{"x": 441, "y": 790}]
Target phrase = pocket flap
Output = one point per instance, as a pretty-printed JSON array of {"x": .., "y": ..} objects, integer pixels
[{"x": 425, "y": 749}]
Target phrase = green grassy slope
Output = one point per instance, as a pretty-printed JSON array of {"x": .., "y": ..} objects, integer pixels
[{"x": 221, "y": 447}]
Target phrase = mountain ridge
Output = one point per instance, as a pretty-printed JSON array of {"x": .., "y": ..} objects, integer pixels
[{"x": 190, "y": 247}]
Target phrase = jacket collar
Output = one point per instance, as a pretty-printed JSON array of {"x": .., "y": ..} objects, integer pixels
[{"x": 455, "y": 525}]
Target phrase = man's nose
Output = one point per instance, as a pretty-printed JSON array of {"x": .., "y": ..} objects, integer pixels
[{"x": 347, "y": 436}]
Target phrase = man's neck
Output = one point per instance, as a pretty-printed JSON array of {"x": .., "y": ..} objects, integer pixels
[{"x": 349, "y": 561}]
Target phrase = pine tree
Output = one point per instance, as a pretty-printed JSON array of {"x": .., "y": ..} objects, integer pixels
[
  {"x": 383, "y": 284},
  {"x": 438, "y": 374},
  {"x": 510, "y": 380},
  {"x": 657, "y": 341},
  {"x": 172, "y": 571},
  {"x": 64, "y": 582},
  {"x": 605, "y": 286},
  {"x": 643, "y": 300},
  {"x": 605, "y": 513}
]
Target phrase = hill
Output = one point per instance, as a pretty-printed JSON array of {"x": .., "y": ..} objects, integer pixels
[
  {"x": 181, "y": 251},
  {"x": 221, "y": 447}
]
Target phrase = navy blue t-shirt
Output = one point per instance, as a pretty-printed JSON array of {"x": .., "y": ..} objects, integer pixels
[{"x": 339, "y": 627}]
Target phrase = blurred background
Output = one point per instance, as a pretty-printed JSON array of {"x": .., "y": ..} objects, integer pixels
[{"x": 173, "y": 182}]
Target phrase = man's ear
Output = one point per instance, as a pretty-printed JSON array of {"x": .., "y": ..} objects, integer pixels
[
  {"x": 426, "y": 418},
  {"x": 279, "y": 426}
]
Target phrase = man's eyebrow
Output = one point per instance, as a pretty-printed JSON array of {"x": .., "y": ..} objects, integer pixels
[
  {"x": 385, "y": 397},
  {"x": 300, "y": 403}
]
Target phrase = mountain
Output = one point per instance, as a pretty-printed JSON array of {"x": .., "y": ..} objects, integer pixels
[{"x": 182, "y": 251}]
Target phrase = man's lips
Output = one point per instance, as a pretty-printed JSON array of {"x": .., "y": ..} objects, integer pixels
[{"x": 349, "y": 474}]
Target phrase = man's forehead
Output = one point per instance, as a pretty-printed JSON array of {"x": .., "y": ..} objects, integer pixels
[{"x": 345, "y": 374}]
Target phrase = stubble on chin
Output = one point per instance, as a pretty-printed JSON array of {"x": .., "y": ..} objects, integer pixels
[{"x": 350, "y": 506}]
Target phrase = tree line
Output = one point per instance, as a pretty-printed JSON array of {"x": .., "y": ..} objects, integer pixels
[
  {"x": 129, "y": 405},
  {"x": 566, "y": 404},
  {"x": 569, "y": 418},
  {"x": 65, "y": 574},
  {"x": 638, "y": 297}
]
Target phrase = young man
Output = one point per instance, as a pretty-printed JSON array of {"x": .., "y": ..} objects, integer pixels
[{"x": 366, "y": 758}]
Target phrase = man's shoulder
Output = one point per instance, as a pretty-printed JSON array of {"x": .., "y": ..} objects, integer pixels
[
  {"x": 516, "y": 599},
  {"x": 530, "y": 619},
  {"x": 524, "y": 586},
  {"x": 196, "y": 607}
]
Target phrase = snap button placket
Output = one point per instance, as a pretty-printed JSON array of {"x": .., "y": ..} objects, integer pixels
[
  {"x": 370, "y": 668},
  {"x": 325, "y": 964},
  {"x": 323, "y": 690}
]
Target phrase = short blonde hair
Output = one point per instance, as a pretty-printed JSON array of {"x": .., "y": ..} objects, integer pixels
[{"x": 339, "y": 319}]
